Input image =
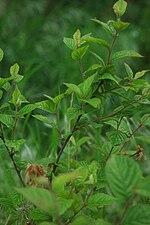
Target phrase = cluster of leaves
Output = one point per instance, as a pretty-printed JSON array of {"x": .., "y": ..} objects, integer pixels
[{"x": 108, "y": 190}]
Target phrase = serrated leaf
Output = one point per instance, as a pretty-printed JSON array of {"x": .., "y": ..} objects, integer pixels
[
  {"x": 124, "y": 54},
  {"x": 146, "y": 120},
  {"x": 58, "y": 98},
  {"x": 128, "y": 70},
  {"x": 142, "y": 187},
  {"x": 26, "y": 109},
  {"x": 137, "y": 215},
  {"x": 6, "y": 202},
  {"x": 120, "y": 7},
  {"x": 77, "y": 175},
  {"x": 116, "y": 137},
  {"x": 7, "y": 120},
  {"x": 64, "y": 205},
  {"x": 83, "y": 220},
  {"x": 44, "y": 119},
  {"x": 95, "y": 102},
  {"x": 1, "y": 54},
  {"x": 70, "y": 43},
  {"x": 82, "y": 140},
  {"x": 122, "y": 175},
  {"x": 38, "y": 215},
  {"x": 140, "y": 74},
  {"x": 73, "y": 112},
  {"x": 79, "y": 52},
  {"x": 46, "y": 105},
  {"x": 100, "y": 200},
  {"x": 73, "y": 88},
  {"x": 14, "y": 70},
  {"x": 41, "y": 198},
  {"x": 97, "y": 41}
]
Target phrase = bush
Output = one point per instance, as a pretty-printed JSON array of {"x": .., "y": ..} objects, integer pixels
[{"x": 103, "y": 116}]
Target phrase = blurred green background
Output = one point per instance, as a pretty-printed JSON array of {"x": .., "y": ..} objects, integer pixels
[{"x": 31, "y": 34}]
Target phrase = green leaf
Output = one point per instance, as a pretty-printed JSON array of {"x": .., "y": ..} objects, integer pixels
[
  {"x": 76, "y": 37},
  {"x": 97, "y": 41},
  {"x": 128, "y": 70},
  {"x": 7, "y": 120},
  {"x": 3, "y": 81},
  {"x": 60, "y": 181},
  {"x": 26, "y": 109},
  {"x": 83, "y": 220},
  {"x": 70, "y": 43},
  {"x": 142, "y": 187},
  {"x": 1, "y": 54},
  {"x": 15, "y": 143},
  {"x": 73, "y": 88},
  {"x": 140, "y": 74},
  {"x": 120, "y": 7},
  {"x": 86, "y": 85},
  {"x": 64, "y": 205},
  {"x": 6, "y": 202},
  {"x": 122, "y": 175},
  {"x": 137, "y": 215},
  {"x": 73, "y": 113},
  {"x": 82, "y": 140},
  {"x": 14, "y": 70},
  {"x": 100, "y": 60},
  {"x": 108, "y": 76},
  {"x": 41, "y": 198},
  {"x": 146, "y": 120},
  {"x": 58, "y": 98},
  {"x": 46, "y": 105},
  {"x": 95, "y": 102},
  {"x": 79, "y": 52},
  {"x": 119, "y": 25},
  {"x": 106, "y": 26},
  {"x": 100, "y": 200},
  {"x": 38, "y": 215},
  {"x": 47, "y": 223},
  {"x": 93, "y": 67},
  {"x": 116, "y": 137},
  {"x": 124, "y": 54},
  {"x": 17, "y": 97},
  {"x": 44, "y": 119}
]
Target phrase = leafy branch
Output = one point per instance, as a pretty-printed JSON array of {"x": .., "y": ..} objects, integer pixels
[{"x": 11, "y": 155}]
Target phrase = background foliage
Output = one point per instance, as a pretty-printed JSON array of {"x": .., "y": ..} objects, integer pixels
[{"x": 32, "y": 34}]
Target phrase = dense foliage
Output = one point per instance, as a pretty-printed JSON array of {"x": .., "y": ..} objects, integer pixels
[{"x": 95, "y": 170}]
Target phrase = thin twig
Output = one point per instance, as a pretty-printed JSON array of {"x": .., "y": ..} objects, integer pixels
[
  {"x": 58, "y": 125},
  {"x": 111, "y": 47},
  {"x": 11, "y": 155},
  {"x": 131, "y": 135},
  {"x": 82, "y": 207},
  {"x": 81, "y": 70},
  {"x": 64, "y": 145}
]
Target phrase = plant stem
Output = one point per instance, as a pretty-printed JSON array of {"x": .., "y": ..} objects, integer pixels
[
  {"x": 11, "y": 155},
  {"x": 140, "y": 125},
  {"x": 82, "y": 207},
  {"x": 64, "y": 145},
  {"x": 81, "y": 69},
  {"x": 58, "y": 125},
  {"x": 111, "y": 47},
  {"x": 110, "y": 153}
]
